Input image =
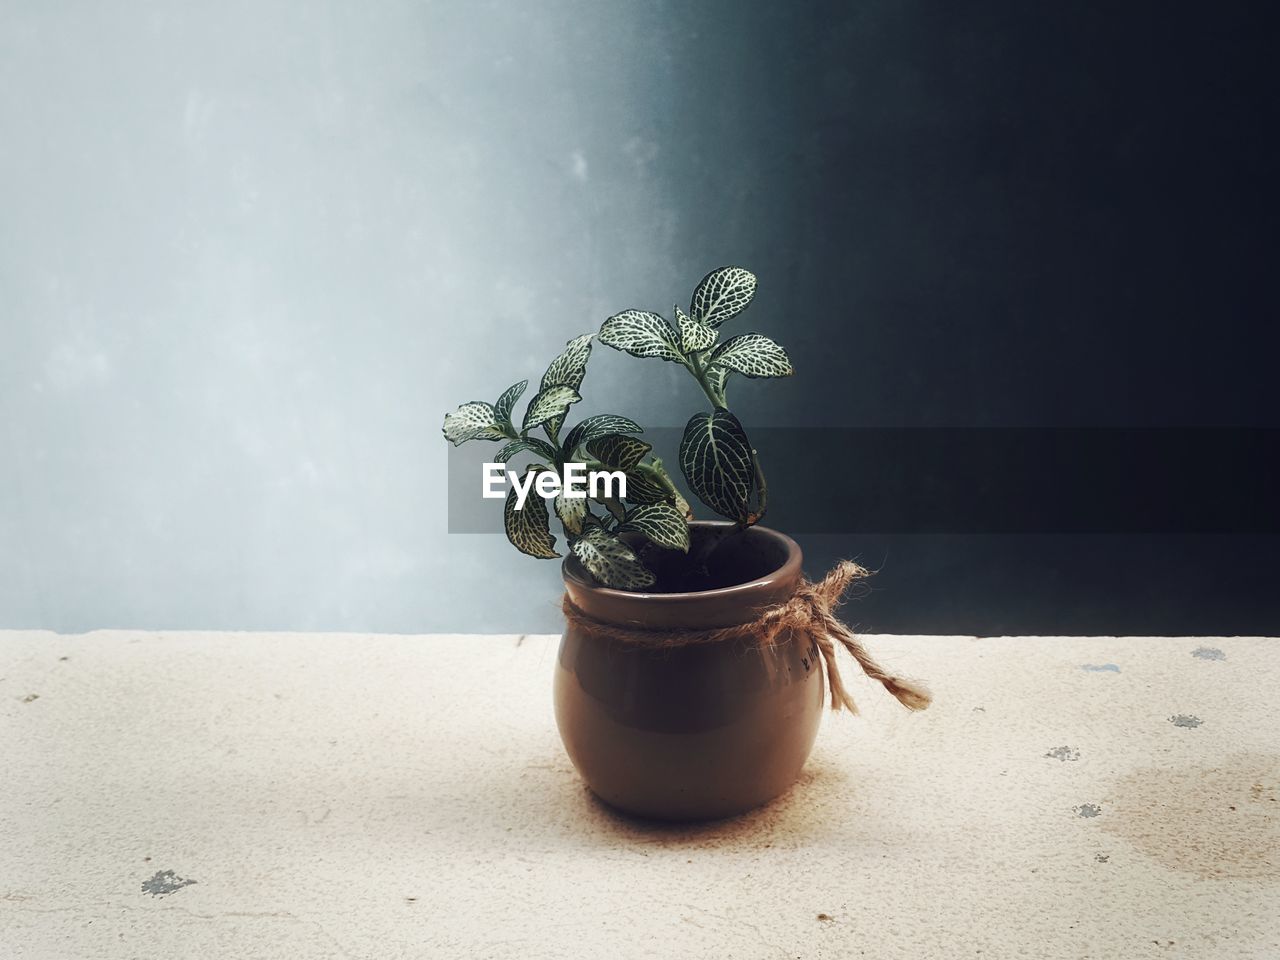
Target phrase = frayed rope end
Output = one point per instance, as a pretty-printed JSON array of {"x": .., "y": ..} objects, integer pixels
[{"x": 911, "y": 695}]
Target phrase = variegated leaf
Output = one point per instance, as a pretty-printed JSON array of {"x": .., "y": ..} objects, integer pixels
[
  {"x": 598, "y": 426},
  {"x": 641, "y": 334},
  {"x": 694, "y": 335},
  {"x": 660, "y": 523},
  {"x": 475, "y": 420},
  {"x": 502, "y": 409},
  {"x": 568, "y": 369},
  {"x": 539, "y": 447},
  {"x": 717, "y": 461},
  {"x": 548, "y": 404},
  {"x": 529, "y": 528},
  {"x": 611, "y": 561},
  {"x": 656, "y": 469},
  {"x": 722, "y": 294},
  {"x": 752, "y": 355},
  {"x": 644, "y": 485},
  {"x": 618, "y": 451},
  {"x": 572, "y": 512}
]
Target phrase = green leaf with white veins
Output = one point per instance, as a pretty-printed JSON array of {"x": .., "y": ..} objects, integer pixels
[
  {"x": 502, "y": 409},
  {"x": 660, "y": 523},
  {"x": 716, "y": 458},
  {"x": 641, "y": 334},
  {"x": 694, "y": 335},
  {"x": 722, "y": 295},
  {"x": 617, "y": 451},
  {"x": 525, "y": 443},
  {"x": 655, "y": 469},
  {"x": 611, "y": 561},
  {"x": 644, "y": 486},
  {"x": 598, "y": 426},
  {"x": 752, "y": 355},
  {"x": 472, "y": 421},
  {"x": 568, "y": 369},
  {"x": 548, "y": 404},
  {"x": 529, "y": 528},
  {"x": 572, "y": 512}
]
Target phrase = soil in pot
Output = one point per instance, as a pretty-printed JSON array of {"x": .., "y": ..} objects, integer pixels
[{"x": 720, "y": 555}]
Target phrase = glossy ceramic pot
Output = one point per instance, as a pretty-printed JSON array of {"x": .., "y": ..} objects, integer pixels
[{"x": 695, "y": 732}]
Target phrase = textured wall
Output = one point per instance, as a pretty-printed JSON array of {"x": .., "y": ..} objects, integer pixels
[{"x": 250, "y": 253}]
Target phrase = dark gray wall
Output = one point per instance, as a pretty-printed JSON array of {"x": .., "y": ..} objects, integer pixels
[{"x": 250, "y": 253}]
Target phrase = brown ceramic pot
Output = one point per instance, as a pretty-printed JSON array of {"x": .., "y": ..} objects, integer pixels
[{"x": 700, "y": 731}]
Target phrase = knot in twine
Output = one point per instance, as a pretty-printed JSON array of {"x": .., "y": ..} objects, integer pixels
[{"x": 810, "y": 611}]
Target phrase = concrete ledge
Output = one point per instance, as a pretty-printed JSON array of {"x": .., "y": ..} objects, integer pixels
[{"x": 320, "y": 796}]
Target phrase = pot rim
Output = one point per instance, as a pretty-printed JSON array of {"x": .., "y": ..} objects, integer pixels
[{"x": 789, "y": 570}]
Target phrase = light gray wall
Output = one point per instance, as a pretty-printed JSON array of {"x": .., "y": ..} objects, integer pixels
[{"x": 251, "y": 252}]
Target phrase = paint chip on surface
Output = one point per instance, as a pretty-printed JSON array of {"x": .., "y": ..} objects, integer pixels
[
  {"x": 1185, "y": 720},
  {"x": 1208, "y": 653},
  {"x": 1102, "y": 857},
  {"x": 164, "y": 882},
  {"x": 1100, "y": 667},
  {"x": 1064, "y": 753},
  {"x": 1088, "y": 810}
]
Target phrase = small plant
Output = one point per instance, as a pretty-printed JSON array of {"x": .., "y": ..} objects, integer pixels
[
  {"x": 653, "y": 508},
  {"x": 716, "y": 457}
]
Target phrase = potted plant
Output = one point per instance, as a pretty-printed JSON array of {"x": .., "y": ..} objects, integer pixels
[{"x": 690, "y": 677}]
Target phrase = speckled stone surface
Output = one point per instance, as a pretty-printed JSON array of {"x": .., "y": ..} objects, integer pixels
[{"x": 318, "y": 796}]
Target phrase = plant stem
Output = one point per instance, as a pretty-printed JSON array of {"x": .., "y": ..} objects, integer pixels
[
  {"x": 761, "y": 486},
  {"x": 700, "y": 374}
]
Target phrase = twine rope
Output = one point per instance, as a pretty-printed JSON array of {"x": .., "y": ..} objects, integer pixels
[{"x": 810, "y": 611}]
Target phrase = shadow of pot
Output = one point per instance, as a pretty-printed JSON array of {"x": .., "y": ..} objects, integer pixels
[{"x": 692, "y": 732}]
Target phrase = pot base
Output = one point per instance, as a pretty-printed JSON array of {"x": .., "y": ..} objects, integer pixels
[{"x": 694, "y": 733}]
